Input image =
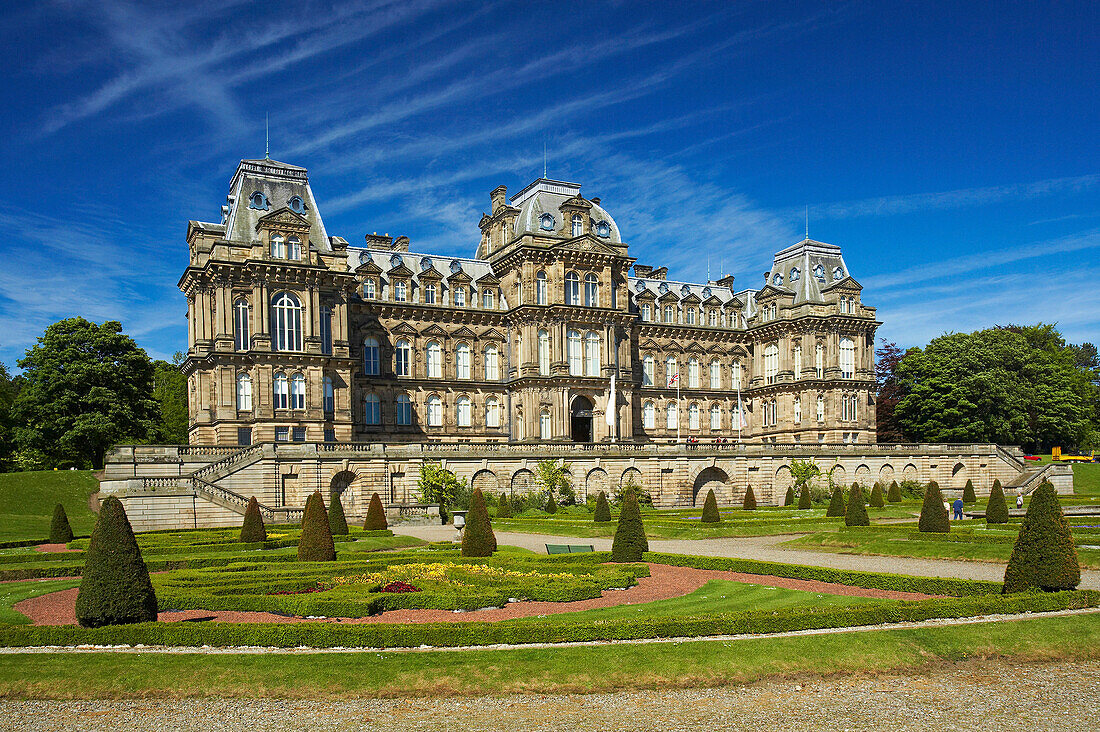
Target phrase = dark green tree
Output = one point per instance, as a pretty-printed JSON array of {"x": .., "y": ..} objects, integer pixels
[
  {"x": 551, "y": 504},
  {"x": 337, "y": 522},
  {"x": 710, "y": 509},
  {"x": 253, "y": 529},
  {"x": 856, "y": 513},
  {"x": 115, "y": 587},
  {"x": 315, "y": 543},
  {"x": 887, "y": 358},
  {"x": 996, "y": 511},
  {"x": 805, "y": 498},
  {"x": 788, "y": 499},
  {"x": 968, "y": 492},
  {"x": 9, "y": 389},
  {"x": 630, "y": 541},
  {"x": 603, "y": 509},
  {"x": 876, "y": 497},
  {"x": 478, "y": 539},
  {"x": 1044, "y": 556},
  {"x": 894, "y": 495},
  {"x": 933, "y": 514},
  {"x": 836, "y": 505},
  {"x": 749, "y": 504},
  {"x": 85, "y": 388},
  {"x": 376, "y": 515},
  {"x": 504, "y": 506},
  {"x": 170, "y": 393},
  {"x": 60, "y": 531}
]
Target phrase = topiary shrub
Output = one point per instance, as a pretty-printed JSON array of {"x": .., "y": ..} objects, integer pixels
[
  {"x": 478, "y": 539},
  {"x": 504, "y": 506},
  {"x": 749, "y": 504},
  {"x": 60, "y": 531},
  {"x": 630, "y": 541},
  {"x": 968, "y": 492},
  {"x": 805, "y": 498},
  {"x": 856, "y": 513},
  {"x": 836, "y": 505},
  {"x": 996, "y": 511},
  {"x": 337, "y": 522},
  {"x": 376, "y": 515},
  {"x": 603, "y": 509},
  {"x": 253, "y": 529},
  {"x": 894, "y": 494},
  {"x": 315, "y": 543},
  {"x": 933, "y": 514},
  {"x": 115, "y": 588},
  {"x": 551, "y": 504},
  {"x": 710, "y": 509},
  {"x": 1044, "y": 555},
  {"x": 876, "y": 497},
  {"x": 788, "y": 500}
]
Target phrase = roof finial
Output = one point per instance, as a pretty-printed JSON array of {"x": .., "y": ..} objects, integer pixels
[
  {"x": 267, "y": 137},
  {"x": 807, "y": 223},
  {"x": 544, "y": 157}
]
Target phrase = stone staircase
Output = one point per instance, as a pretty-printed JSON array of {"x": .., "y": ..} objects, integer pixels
[{"x": 1031, "y": 477}]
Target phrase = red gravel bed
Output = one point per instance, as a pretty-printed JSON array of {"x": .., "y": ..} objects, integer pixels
[
  {"x": 54, "y": 548},
  {"x": 665, "y": 582}
]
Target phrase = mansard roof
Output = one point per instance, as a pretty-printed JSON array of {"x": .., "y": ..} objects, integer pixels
[
  {"x": 640, "y": 285},
  {"x": 278, "y": 183},
  {"x": 545, "y": 196},
  {"x": 817, "y": 265}
]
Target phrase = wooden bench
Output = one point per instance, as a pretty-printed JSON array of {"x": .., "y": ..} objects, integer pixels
[{"x": 569, "y": 548}]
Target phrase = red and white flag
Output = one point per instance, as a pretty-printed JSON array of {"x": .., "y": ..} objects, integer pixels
[{"x": 673, "y": 380}]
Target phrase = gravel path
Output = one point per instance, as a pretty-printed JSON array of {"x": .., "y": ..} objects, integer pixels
[{"x": 987, "y": 695}]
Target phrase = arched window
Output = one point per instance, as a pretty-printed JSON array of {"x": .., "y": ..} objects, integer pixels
[
  {"x": 712, "y": 317},
  {"x": 715, "y": 417},
  {"x": 647, "y": 312},
  {"x": 372, "y": 410},
  {"x": 672, "y": 416},
  {"x": 435, "y": 361},
  {"x": 819, "y": 272},
  {"x": 649, "y": 417},
  {"x": 572, "y": 289},
  {"x": 540, "y": 287},
  {"x": 517, "y": 425},
  {"x": 544, "y": 353},
  {"x": 573, "y": 352},
  {"x": 435, "y": 411},
  {"x": 402, "y": 359},
  {"x": 286, "y": 322},
  {"x": 544, "y": 424},
  {"x": 591, "y": 291},
  {"x": 798, "y": 410},
  {"x": 771, "y": 363},
  {"x": 689, "y": 315},
  {"x": 492, "y": 364},
  {"x": 578, "y": 225},
  {"x": 847, "y": 358},
  {"x": 715, "y": 374},
  {"x": 463, "y": 411},
  {"x": 738, "y": 417},
  {"x": 294, "y": 248},
  {"x": 670, "y": 313},
  {"x": 672, "y": 372},
  {"x": 819, "y": 360},
  {"x": 492, "y": 413},
  {"x": 798, "y": 362},
  {"x": 258, "y": 200},
  {"x": 244, "y": 392},
  {"x": 462, "y": 361},
  {"x": 240, "y": 325},
  {"x": 693, "y": 416},
  {"x": 647, "y": 370},
  {"x": 427, "y": 293},
  {"x": 775, "y": 412},
  {"x": 330, "y": 395},
  {"x": 404, "y": 410},
  {"x": 736, "y": 375},
  {"x": 820, "y": 408},
  {"x": 591, "y": 354},
  {"x": 693, "y": 373},
  {"x": 281, "y": 391},
  {"x": 278, "y": 246},
  {"x": 298, "y": 391},
  {"x": 371, "y": 356}
]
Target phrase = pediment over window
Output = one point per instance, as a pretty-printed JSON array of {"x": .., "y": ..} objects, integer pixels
[
  {"x": 464, "y": 332},
  {"x": 435, "y": 330},
  {"x": 400, "y": 271},
  {"x": 404, "y": 329},
  {"x": 575, "y": 202},
  {"x": 848, "y": 284},
  {"x": 649, "y": 345},
  {"x": 768, "y": 291},
  {"x": 492, "y": 335},
  {"x": 369, "y": 267},
  {"x": 586, "y": 243},
  {"x": 284, "y": 218},
  {"x": 488, "y": 279}
]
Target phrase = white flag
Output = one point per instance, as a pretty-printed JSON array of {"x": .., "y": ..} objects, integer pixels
[{"x": 612, "y": 404}]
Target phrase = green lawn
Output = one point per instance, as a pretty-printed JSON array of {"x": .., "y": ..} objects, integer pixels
[
  {"x": 1086, "y": 479},
  {"x": 27, "y": 501}
]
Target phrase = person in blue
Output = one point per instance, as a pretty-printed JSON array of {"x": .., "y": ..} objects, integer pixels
[{"x": 958, "y": 506}]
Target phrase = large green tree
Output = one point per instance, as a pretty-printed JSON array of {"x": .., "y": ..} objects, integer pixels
[
  {"x": 9, "y": 389},
  {"x": 86, "y": 387},
  {"x": 170, "y": 392},
  {"x": 887, "y": 358},
  {"x": 1015, "y": 385}
]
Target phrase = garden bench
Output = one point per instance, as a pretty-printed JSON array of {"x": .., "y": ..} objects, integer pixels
[{"x": 569, "y": 548}]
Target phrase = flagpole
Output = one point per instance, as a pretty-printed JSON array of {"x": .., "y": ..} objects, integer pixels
[
  {"x": 678, "y": 415},
  {"x": 740, "y": 412}
]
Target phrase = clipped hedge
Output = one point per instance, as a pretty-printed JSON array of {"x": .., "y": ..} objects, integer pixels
[
  {"x": 933, "y": 514},
  {"x": 603, "y": 509},
  {"x": 894, "y": 494},
  {"x": 60, "y": 531},
  {"x": 710, "y": 509},
  {"x": 856, "y": 513},
  {"x": 749, "y": 504},
  {"x": 996, "y": 511},
  {"x": 836, "y": 505},
  {"x": 252, "y": 528},
  {"x": 376, "y": 515}
]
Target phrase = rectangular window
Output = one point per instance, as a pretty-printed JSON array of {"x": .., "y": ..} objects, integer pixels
[
  {"x": 715, "y": 375},
  {"x": 646, "y": 312},
  {"x": 712, "y": 318},
  {"x": 330, "y": 435},
  {"x": 819, "y": 361},
  {"x": 282, "y": 434},
  {"x": 487, "y": 299},
  {"x": 693, "y": 374},
  {"x": 798, "y": 362},
  {"x": 330, "y": 396},
  {"x": 326, "y": 330},
  {"x": 369, "y": 289},
  {"x": 689, "y": 316},
  {"x": 404, "y": 410},
  {"x": 647, "y": 371},
  {"x": 429, "y": 295},
  {"x": 492, "y": 364},
  {"x": 299, "y": 434},
  {"x": 244, "y": 436},
  {"x": 459, "y": 297},
  {"x": 400, "y": 292},
  {"x": 670, "y": 314}
]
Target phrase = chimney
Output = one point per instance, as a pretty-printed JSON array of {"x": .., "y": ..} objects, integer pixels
[
  {"x": 596, "y": 201},
  {"x": 378, "y": 241},
  {"x": 726, "y": 281},
  {"x": 660, "y": 273},
  {"x": 498, "y": 197}
]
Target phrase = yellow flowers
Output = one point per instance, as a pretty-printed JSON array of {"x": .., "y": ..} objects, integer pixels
[{"x": 436, "y": 572}]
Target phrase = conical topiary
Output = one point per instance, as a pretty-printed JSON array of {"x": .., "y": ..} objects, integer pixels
[
  {"x": 996, "y": 511},
  {"x": 894, "y": 494},
  {"x": 856, "y": 513},
  {"x": 115, "y": 588},
  {"x": 551, "y": 504},
  {"x": 478, "y": 539},
  {"x": 60, "y": 531},
  {"x": 836, "y": 505},
  {"x": 968, "y": 492},
  {"x": 504, "y": 506},
  {"x": 805, "y": 499},
  {"x": 788, "y": 499},
  {"x": 1044, "y": 556},
  {"x": 876, "y": 497},
  {"x": 337, "y": 522},
  {"x": 630, "y": 541},
  {"x": 749, "y": 504},
  {"x": 603, "y": 509},
  {"x": 710, "y": 509},
  {"x": 376, "y": 515},
  {"x": 315, "y": 542},
  {"x": 253, "y": 529},
  {"x": 933, "y": 514}
]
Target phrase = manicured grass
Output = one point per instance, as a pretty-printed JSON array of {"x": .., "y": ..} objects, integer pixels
[
  {"x": 13, "y": 592},
  {"x": 534, "y": 671},
  {"x": 1086, "y": 479},
  {"x": 27, "y": 501}
]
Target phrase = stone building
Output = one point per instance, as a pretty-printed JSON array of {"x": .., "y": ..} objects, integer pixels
[{"x": 294, "y": 335}]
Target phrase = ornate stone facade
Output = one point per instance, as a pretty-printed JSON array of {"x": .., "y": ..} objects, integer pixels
[{"x": 296, "y": 336}]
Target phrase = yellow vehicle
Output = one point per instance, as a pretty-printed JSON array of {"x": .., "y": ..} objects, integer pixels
[{"x": 1056, "y": 454}]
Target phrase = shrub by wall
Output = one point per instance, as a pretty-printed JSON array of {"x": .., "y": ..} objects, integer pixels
[
  {"x": 315, "y": 543},
  {"x": 504, "y": 506},
  {"x": 933, "y": 514},
  {"x": 551, "y": 504},
  {"x": 876, "y": 496},
  {"x": 749, "y": 504},
  {"x": 996, "y": 511},
  {"x": 856, "y": 513},
  {"x": 115, "y": 588},
  {"x": 252, "y": 528},
  {"x": 60, "y": 531},
  {"x": 710, "y": 509},
  {"x": 630, "y": 541},
  {"x": 836, "y": 505},
  {"x": 1044, "y": 555},
  {"x": 894, "y": 494},
  {"x": 805, "y": 499},
  {"x": 376, "y": 515},
  {"x": 478, "y": 539},
  {"x": 337, "y": 522},
  {"x": 788, "y": 500},
  {"x": 603, "y": 509}
]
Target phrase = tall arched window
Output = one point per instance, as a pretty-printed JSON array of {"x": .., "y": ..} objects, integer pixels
[
  {"x": 591, "y": 354},
  {"x": 278, "y": 246},
  {"x": 294, "y": 248},
  {"x": 244, "y": 392},
  {"x": 544, "y": 353},
  {"x": 402, "y": 359},
  {"x": 819, "y": 360},
  {"x": 462, "y": 361},
  {"x": 326, "y": 329},
  {"x": 463, "y": 411},
  {"x": 372, "y": 410},
  {"x": 689, "y": 315},
  {"x": 578, "y": 225},
  {"x": 404, "y": 410},
  {"x": 591, "y": 291},
  {"x": 798, "y": 362},
  {"x": 281, "y": 391},
  {"x": 715, "y": 374},
  {"x": 715, "y": 417},
  {"x": 487, "y": 299},
  {"x": 820, "y": 408},
  {"x": 400, "y": 291},
  {"x": 672, "y": 372},
  {"x": 798, "y": 410},
  {"x": 649, "y": 416},
  {"x": 371, "y": 362},
  {"x": 771, "y": 363},
  {"x": 435, "y": 361},
  {"x": 847, "y": 358},
  {"x": 672, "y": 416},
  {"x": 693, "y": 416},
  {"x": 544, "y": 424},
  {"x": 572, "y": 289},
  {"x": 492, "y": 364},
  {"x": 647, "y": 370},
  {"x": 693, "y": 373},
  {"x": 330, "y": 395},
  {"x": 435, "y": 411},
  {"x": 298, "y": 391},
  {"x": 240, "y": 324},
  {"x": 573, "y": 353},
  {"x": 458, "y": 296},
  {"x": 540, "y": 287},
  {"x": 737, "y": 375},
  {"x": 286, "y": 322},
  {"x": 492, "y": 413}
]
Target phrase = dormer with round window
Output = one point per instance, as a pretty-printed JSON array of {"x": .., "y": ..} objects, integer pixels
[
  {"x": 603, "y": 229},
  {"x": 258, "y": 201},
  {"x": 546, "y": 222},
  {"x": 297, "y": 205},
  {"x": 838, "y": 274}
]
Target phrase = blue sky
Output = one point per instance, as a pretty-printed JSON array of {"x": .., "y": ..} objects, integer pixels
[{"x": 951, "y": 149}]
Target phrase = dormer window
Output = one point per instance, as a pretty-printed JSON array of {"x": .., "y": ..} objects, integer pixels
[
  {"x": 425, "y": 264},
  {"x": 294, "y": 248},
  {"x": 546, "y": 222},
  {"x": 258, "y": 201},
  {"x": 395, "y": 260},
  {"x": 838, "y": 274},
  {"x": 578, "y": 225},
  {"x": 795, "y": 274},
  {"x": 819, "y": 272},
  {"x": 456, "y": 266},
  {"x": 296, "y": 204},
  {"x": 429, "y": 294},
  {"x": 777, "y": 279},
  {"x": 278, "y": 246},
  {"x": 369, "y": 289},
  {"x": 400, "y": 291},
  {"x": 603, "y": 229}
]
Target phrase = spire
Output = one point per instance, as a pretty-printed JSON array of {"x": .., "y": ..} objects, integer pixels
[
  {"x": 267, "y": 137},
  {"x": 807, "y": 223}
]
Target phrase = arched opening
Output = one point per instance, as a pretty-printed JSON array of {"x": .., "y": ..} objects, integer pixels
[
  {"x": 710, "y": 478},
  {"x": 486, "y": 480},
  {"x": 580, "y": 419},
  {"x": 523, "y": 482},
  {"x": 338, "y": 489},
  {"x": 595, "y": 482}
]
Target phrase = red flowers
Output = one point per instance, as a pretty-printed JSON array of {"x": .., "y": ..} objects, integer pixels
[{"x": 399, "y": 586}]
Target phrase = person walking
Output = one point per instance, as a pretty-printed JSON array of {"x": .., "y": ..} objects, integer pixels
[
  {"x": 1020, "y": 501},
  {"x": 958, "y": 504}
]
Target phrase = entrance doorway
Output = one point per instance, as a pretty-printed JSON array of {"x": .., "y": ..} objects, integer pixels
[{"x": 581, "y": 419}]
